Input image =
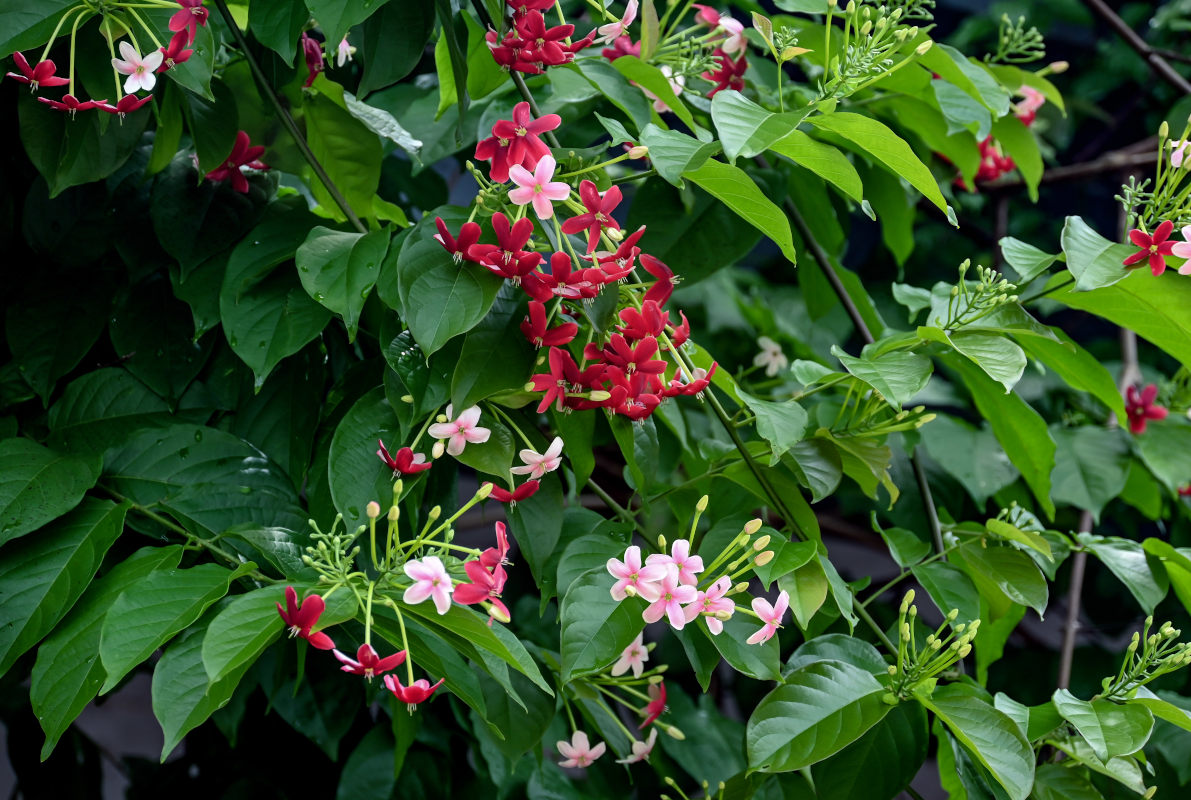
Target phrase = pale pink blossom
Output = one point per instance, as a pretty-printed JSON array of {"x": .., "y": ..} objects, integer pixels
[
  {"x": 672, "y": 596},
  {"x": 537, "y": 188},
  {"x": 458, "y": 432},
  {"x": 578, "y": 752},
  {"x": 430, "y": 580},
  {"x": 1183, "y": 250},
  {"x": 771, "y": 357},
  {"x": 677, "y": 84},
  {"x": 344, "y": 53},
  {"x": 735, "y": 43},
  {"x": 711, "y": 604},
  {"x": 538, "y": 464},
  {"x": 641, "y": 750},
  {"x": 614, "y": 30},
  {"x": 139, "y": 70},
  {"x": 635, "y": 579},
  {"x": 1179, "y": 154},
  {"x": 687, "y": 565},
  {"x": 633, "y": 657},
  {"x": 1032, "y": 99},
  {"x": 771, "y": 615}
]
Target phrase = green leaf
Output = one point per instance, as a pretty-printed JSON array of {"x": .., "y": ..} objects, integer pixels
[
  {"x": 1011, "y": 533},
  {"x": 807, "y": 589},
  {"x": 1125, "y": 771},
  {"x": 279, "y": 25},
  {"x": 38, "y": 485},
  {"x": 42, "y": 576},
  {"x": 1093, "y": 260},
  {"x": 337, "y": 17},
  {"x": 595, "y": 628},
  {"x": 897, "y": 375},
  {"x": 1012, "y": 572},
  {"x": 385, "y": 125},
  {"x": 536, "y": 524},
  {"x": 971, "y": 455},
  {"x": 240, "y": 632},
  {"x": 788, "y": 556},
  {"x": 987, "y": 734},
  {"x": 183, "y": 696},
  {"x": 759, "y": 661},
  {"x": 68, "y": 672},
  {"x": 1059, "y": 782},
  {"x": 1178, "y": 566},
  {"x": 441, "y": 299},
  {"x": 817, "y": 465},
  {"x": 837, "y": 647},
  {"x": 1020, "y": 145},
  {"x": 820, "y": 709},
  {"x": 878, "y": 141},
  {"x": 1001, "y": 359},
  {"x": 24, "y": 26},
  {"x": 905, "y": 546},
  {"x": 1127, "y": 560},
  {"x": 672, "y": 153},
  {"x": 1028, "y": 261},
  {"x": 781, "y": 424},
  {"x": 1091, "y": 466},
  {"x": 368, "y": 771},
  {"x": 949, "y": 588},
  {"x": 828, "y": 162},
  {"x": 746, "y": 129},
  {"x": 1012, "y": 76},
  {"x": 972, "y": 77},
  {"x": 1162, "y": 709},
  {"x": 866, "y": 461},
  {"x": 881, "y": 763},
  {"x": 150, "y": 612},
  {"x": 394, "y": 40},
  {"x": 1018, "y": 427},
  {"x": 355, "y": 473},
  {"x": 1165, "y": 448},
  {"x": 347, "y": 148},
  {"x": 650, "y": 77},
  {"x": 213, "y": 123},
  {"x": 1077, "y": 367},
  {"x": 1034, "y": 721},
  {"x": 736, "y": 189},
  {"x": 495, "y": 355},
  {"x": 265, "y": 312},
  {"x": 614, "y": 86},
  {"x": 1112, "y": 729},
  {"x": 338, "y": 270}
]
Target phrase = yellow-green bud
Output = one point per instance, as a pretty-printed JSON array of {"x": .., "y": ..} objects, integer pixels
[
  {"x": 752, "y": 526},
  {"x": 925, "y": 46},
  {"x": 497, "y": 614},
  {"x": 662, "y": 542},
  {"x": 763, "y": 559},
  {"x": 441, "y": 418},
  {"x": 761, "y": 543},
  {"x": 1058, "y": 67},
  {"x": 598, "y": 396},
  {"x": 743, "y": 586},
  {"x": 891, "y": 669},
  {"x": 674, "y": 733},
  {"x": 435, "y": 513},
  {"x": 701, "y": 506},
  {"x": 407, "y": 398},
  {"x": 438, "y": 449},
  {"x": 905, "y": 631},
  {"x": 372, "y": 509},
  {"x": 952, "y": 614},
  {"x": 638, "y": 151},
  {"x": 936, "y": 645},
  {"x": 963, "y": 651}
]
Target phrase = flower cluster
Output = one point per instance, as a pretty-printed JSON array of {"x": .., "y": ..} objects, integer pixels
[
  {"x": 529, "y": 46},
  {"x": 940, "y": 650}
]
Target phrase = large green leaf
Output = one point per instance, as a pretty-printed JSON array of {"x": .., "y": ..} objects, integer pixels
[
  {"x": 338, "y": 270},
  {"x": 348, "y": 149},
  {"x": 265, "y": 312},
  {"x": 1165, "y": 448},
  {"x": 1060, "y": 782},
  {"x": 1093, "y": 260},
  {"x": 1027, "y": 260},
  {"x": 1161, "y": 708},
  {"x": 441, "y": 299},
  {"x": 652, "y": 78},
  {"x": 896, "y": 375},
  {"x": 240, "y": 632},
  {"x": 356, "y": 475},
  {"x": 1077, "y": 367},
  {"x": 1012, "y": 572},
  {"x": 1127, "y": 560},
  {"x": 38, "y": 485},
  {"x": 672, "y": 153},
  {"x": 949, "y": 588},
  {"x": 596, "y": 628},
  {"x": 151, "y": 611},
  {"x": 337, "y": 17},
  {"x": 394, "y": 39},
  {"x": 781, "y": 424},
  {"x": 30, "y": 25},
  {"x": 828, "y": 162},
  {"x": 616, "y": 87},
  {"x": 761, "y": 662},
  {"x": 999, "y": 358},
  {"x": 973, "y": 456},
  {"x": 68, "y": 672},
  {"x": 495, "y": 355},
  {"x": 1178, "y": 566},
  {"x": 819, "y": 710},
  {"x": 837, "y": 647},
  {"x": 1091, "y": 466},
  {"x": 987, "y": 734},
  {"x": 1020, "y": 145},
  {"x": 279, "y": 25},
  {"x": 746, "y": 129},
  {"x": 1112, "y": 729},
  {"x": 970, "y": 76},
  {"x": 42, "y": 576},
  {"x": 737, "y": 191},
  {"x": 155, "y": 337},
  {"x": 877, "y": 140},
  {"x": 881, "y": 763}
]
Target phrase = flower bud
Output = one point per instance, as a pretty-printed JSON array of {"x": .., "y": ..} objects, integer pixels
[
  {"x": 615, "y": 234},
  {"x": 673, "y": 732},
  {"x": 891, "y": 669},
  {"x": 763, "y": 559},
  {"x": 498, "y": 615},
  {"x": 1164, "y": 130},
  {"x": 963, "y": 651},
  {"x": 867, "y": 27},
  {"x": 438, "y": 449},
  {"x": 485, "y": 490},
  {"x": 407, "y": 398},
  {"x": 743, "y": 586},
  {"x": 662, "y": 542},
  {"x": 752, "y": 526},
  {"x": 394, "y": 513},
  {"x": 922, "y": 48},
  {"x": 936, "y": 645},
  {"x": 761, "y": 543},
  {"x": 630, "y": 590},
  {"x": 723, "y": 615},
  {"x": 308, "y": 561},
  {"x": 913, "y": 611},
  {"x": 436, "y": 512},
  {"x": 1058, "y": 67},
  {"x": 905, "y": 631},
  {"x": 372, "y": 509},
  {"x": 701, "y": 506},
  {"x": 598, "y": 396},
  {"x": 441, "y": 418},
  {"x": 638, "y": 151}
]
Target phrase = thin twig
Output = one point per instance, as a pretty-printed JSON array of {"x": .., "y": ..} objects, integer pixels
[
  {"x": 288, "y": 121},
  {"x": 1157, "y": 63},
  {"x": 1112, "y": 162}
]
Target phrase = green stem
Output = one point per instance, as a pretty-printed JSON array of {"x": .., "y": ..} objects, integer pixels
[
  {"x": 617, "y": 508},
  {"x": 409, "y": 661},
  {"x": 368, "y": 614},
  {"x": 1044, "y": 292}
]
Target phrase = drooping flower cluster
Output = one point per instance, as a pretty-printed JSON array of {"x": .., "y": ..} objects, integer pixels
[{"x": 530, "y": 46}]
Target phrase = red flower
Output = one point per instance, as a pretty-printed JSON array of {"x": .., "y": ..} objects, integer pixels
[
  {"x": 176, "y": 52},
  {"x": 730, "y": 75},
  {"x": 542, "y": 44},
  {"x": 485, "y": 586},
  {"x": 189, "y": 17},
  {"x": 38, "y": 76},
  {"x": 1140, "y": 407},
  {"x": 1152, "y": 248},
  {"x": 630, "y": 358},
  {"x": 313, "y": 53},
  {"x": 599, "y": 213},
  {"x": 300, "y": 619},
  {"x": 407, "y": 462},
  {"x": 469, "y": 234},
  {"x": 71, "y": 103},
  {"x": 367, "y": 663},
  {"x": 681, "y": 333},
  {"x": 564, "y": 376},
  {"x": 534, "y": 328},
  {"x": 126, "y": 105},
  {"x": 523, "y": 7},
  {"x": 506, "y": 258},
  {"x": 242, "y": 155},
  {"x": 499, "y": 554},
  {"x": 666, "y": 281},
  {"x": 623, "y": 46},
  {"x": 567, "y": 282},
  {"x": 527, "y": 489},
  {"x": 656, "y": 705},
  {"x": 521, "y": 133},
  {"x": 1185, "y": 491},
  {"x": 649, "y": 321},
  {"x": 699, "y": 381},
  {"x": 415, "y": 693}
]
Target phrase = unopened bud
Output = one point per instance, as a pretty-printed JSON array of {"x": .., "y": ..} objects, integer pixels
[
  {"x": 662, "y": 542},
  {"x": 743, "y": 586},
  {"x": 763, "y": 559},
  {"x": 372, "y": 509},
  {"x": 441, "y": 418},
  {"x": 936, "y": 645},
  {"x": 407, "y": 398},
  {"x": 832, "y": 3},
  {"x": 394, "y": 514},
  {"x": 922, "y": 48},
  {"x": 867, "y": 27},
  {"x": 438, "y": 449},
  {"x": 485, "y": 490},
  {"x": 761, "y": 543},
  {"x": 495, "y": 612},
  {"x": 752, "y": 526},
  {"x": 1058, "y": 67},
  {"x": 435, "y": 513},
  {"x": 701, "y": 506},
  {"x": 598, "y": 396},
  {"x": 308, "y": 561},
  {"x": 913, "y": 611},
  {"x": 630, "y": 590},
  {"x": 674, "y": 733},
  {"x": 905, "y": 631},
  {"x": 891, "y": 669},
  {"x": 889, "y": 699},
  {"x": 1164, "y": 130},
  {"x": 963, "y": 651},
  {"x": 960, "y": 628},
  {"x": 973, "y": 627},
  {"x": 907, "y": 599},
  {"x": 723, "y": 615},
  {"x": 638, "y": 151},
  {"x": 615, "y": 234}
]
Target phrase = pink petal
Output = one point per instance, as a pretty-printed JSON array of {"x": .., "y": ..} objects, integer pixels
[
  {"x": 417, "y": 593},
  {"x": 522, "y": 177}
]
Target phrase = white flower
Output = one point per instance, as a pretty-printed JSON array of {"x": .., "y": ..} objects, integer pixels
[
  {"x": 641, "y": 750},
  {"x": 614, "y": 30},
  {"x": 633, "y": 657},
  {"x": 458, "y": 432},
  {"x": 344, "y": 53},
  {"x": 139, "y": 70},
  {"x": 538, "y": 464},
  {"x": 771, "y": 356}
]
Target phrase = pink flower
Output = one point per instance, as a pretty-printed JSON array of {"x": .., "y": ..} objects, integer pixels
[
  {"x": 1183, "y": 250},
  {"x": 485, "y": 587},
  {"x": 578, "y": 751},
  {"x": 367, "y": 663},
  {"x": 1152, "y": 248},
  {"x": 671, "y": 596},
  {"x": 300, "y": 619},
  {"x": 1178, "y": 154},
  {"x": 407, "y": 462},
  {"x": 460, "y": 431},
  {"x": 633, "y": 578},
  {"x": 686, "y": 565},
  {"x": 656, "y": 705},
  {"x": 711, "y": 604},
  {"x": 189, "y": 17},
  {"x": 1141, "y": 408},
  {"x": 344, "y": 53},
  {"x": 609, "y": 33},
  {"x": 38, "y": 76},
  {"x": 176, "y": 52},
  {"x": 537, "y": 188},
  {"x": 641, "y": 750},
  {"x": 735, "y": 43},
  {"x": 71, "y": 103},
  {"x": 521, "y": 133},
  {"x": 417, "y": 692},
  {"x": 525, "y": 490},
  {"x": 243, "y": 155},
  {"x": 312, "y": 51},
  {"x": 430, "y": 580},
  {"x": 599, "y": 213},
  {"x": 139, "y": 70},
  {"x": 537, "y": 465},
  {"x": 633, "y": 657},
  {"x": 499, "y": 554},
  {"x": 707, "y": 16},
  {"x": 771, "y": 615}
]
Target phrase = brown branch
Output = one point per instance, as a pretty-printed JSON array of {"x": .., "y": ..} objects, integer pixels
[
  {"x": 1112, "y": 162},
  {"x": 1151, "y": 56}
]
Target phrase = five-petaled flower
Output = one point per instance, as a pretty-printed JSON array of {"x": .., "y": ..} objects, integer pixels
[
  {"x": 243, "y": 155},
  {"x": 176, "y": 52},
  {"x": 672, "y": 595},
  {"x": 485, "y": 586},
  {"x": 1141, "y": 408},
  {"x": 71, "y": 103},
  {"x": 368, "y": 663},
  {"x": 680, "y": 559},
  {"x": 525, "y": 490},
  {"x": 641, "y": 750},
  {"x": 189, "y": 17},
  {"x": 300, "y": 619},
  {"x": 771, "y": 357},
  {"x": 430, "y": 580},
  {"x": 656, "y": 705},
  {"x": 1152, "y": 248},
  {"x": 578, "y": 751},
  {"x": 499, "y": 554},
  {"x": 538, "y": 464},
  {"x": 634, "y": 579},
  {"x": 537, "y": 187},
  {"x": 771, "y": 615},
  {"x": 460, "y": 431},
  {"x": 37, "y": 76},
  {"x": 407, "y": 462},
  {"x": 414, "y": 694},
  {"x": 139, "y": 70},
  {"x": 633, "y": 657},
  {"x": 713, "y": 605},
  {"x": 598, "y": 215},
  {"x": 609, "y": 33}
]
